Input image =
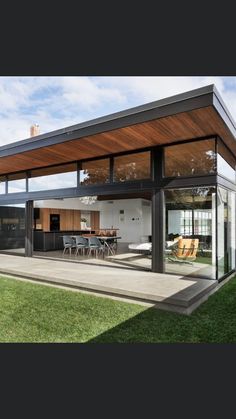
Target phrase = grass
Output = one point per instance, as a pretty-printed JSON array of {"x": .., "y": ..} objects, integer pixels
[
  {"x": 204, "y": 259},
  {"x": 37, "y": 313}
]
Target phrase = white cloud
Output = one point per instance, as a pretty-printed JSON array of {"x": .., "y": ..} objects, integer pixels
[
  {"x": 17, "y": 127},
  {"x": 154, "y": 88},
  {"x": 56, "y": 102},
  {"x": 87, "y": 93}
]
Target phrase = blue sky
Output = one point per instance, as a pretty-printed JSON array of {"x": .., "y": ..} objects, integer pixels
[{"x": 57, "y": 102}]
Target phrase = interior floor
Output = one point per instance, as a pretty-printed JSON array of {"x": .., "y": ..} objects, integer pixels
[
  {"x": 19, "y": 251},
  {"x": 127, "y": 258},
  {"x": 123, "y": 257}
]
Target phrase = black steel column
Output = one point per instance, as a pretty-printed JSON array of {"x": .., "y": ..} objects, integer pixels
[
  {"x": 29, "y": 221},
  {"x": 111, "y": 169},
  {"x": 6, "y": 185},
  {"x": 158, "y": 231},
  {"x": 78, "y": 168},
  {"x": 158, "y": 212},
  {"x": 28, "y": 175}
]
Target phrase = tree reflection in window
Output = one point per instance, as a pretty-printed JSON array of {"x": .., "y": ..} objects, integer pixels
[
  {"x": 132, "y": 167},
  {"x": 190, "y": 158},
  {"x": 95, "y": 172}
]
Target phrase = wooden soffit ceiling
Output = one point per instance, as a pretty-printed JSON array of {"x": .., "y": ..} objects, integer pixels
[{"x": 193, "y": 124}]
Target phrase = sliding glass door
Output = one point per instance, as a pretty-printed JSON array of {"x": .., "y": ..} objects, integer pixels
[
  {"x": 226, "y": 231},
  {"x": 191, "y": 232}
]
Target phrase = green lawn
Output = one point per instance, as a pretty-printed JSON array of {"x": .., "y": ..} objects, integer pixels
[
  {"x": 204, "y": 259},
  {"x": 37, "y": 313}
]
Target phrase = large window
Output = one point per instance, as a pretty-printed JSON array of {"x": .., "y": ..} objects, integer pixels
[
  {"x": 193, "y": 221},
  {"x": 185, "y": 222},
  {"x": 2, "y": 184},
  {"x": 203, "y": 222},
  {"x": 17, "y": 183},
  {"x": 191, "y": 231},
  {"x": 191, "y": 158},
  {"x": 225, "y": 162},
  {"x": 57, "y": 177},
  {"x": 95, "y": 172},
  {"x": 132, "y": 167}
]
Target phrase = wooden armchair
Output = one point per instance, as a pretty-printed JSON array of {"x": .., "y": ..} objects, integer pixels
[{"x": 185, "y": 252}]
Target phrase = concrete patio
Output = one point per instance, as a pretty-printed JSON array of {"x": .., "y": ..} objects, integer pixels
[{"x": 169, "y": 292}]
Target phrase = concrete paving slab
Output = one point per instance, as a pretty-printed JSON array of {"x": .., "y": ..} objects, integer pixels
[{"x": 172, "y": 291}]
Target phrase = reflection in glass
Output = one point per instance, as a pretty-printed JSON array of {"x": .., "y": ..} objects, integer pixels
[
  {"x": 16, "y": 185},
  {"x": 56, "y": 177},
  {"x": 12, "y": 228},
  {"x": 190, "y": 232},
  {"x": 58, "y": 181},
  {"x": 190, "y": 159},
  {"x": 17, "y": 182},
  {"x": 225, "y": 162},
  {"x": 132, "y": 167},
  {"x": 2, "y": 184},
  {"x": 95, "y": 172}
]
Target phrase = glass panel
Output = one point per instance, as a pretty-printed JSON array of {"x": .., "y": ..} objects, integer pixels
[
  {"x": 57, "y": 177},
  {"x": 203, "y": 222},
  {"x": 225, "y": 162},
  {"x": 132, "y": 167},
  {"x": 226, "y": 231},
  {"x": 2, "y": 188},
  {"x": 190, "y": 232},
  {"x": 189, "y": 159},
  {"x": 12, "y": 229},
  {"x": 123, "y": 225},
  {"x": 231, "y": 227},
  {"x": 94, "y": 172},
  {"x": 2, "y": 184},
  {"x": 17, "y": 183}
]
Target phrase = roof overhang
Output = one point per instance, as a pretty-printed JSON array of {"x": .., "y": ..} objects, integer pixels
[{"x": 187, "y": 116}]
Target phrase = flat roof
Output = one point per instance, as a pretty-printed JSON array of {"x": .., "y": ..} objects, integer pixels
[{"x": 183, "y": 117}]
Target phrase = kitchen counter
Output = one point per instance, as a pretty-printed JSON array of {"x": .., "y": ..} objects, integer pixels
[{"x": 52, "y": 240}]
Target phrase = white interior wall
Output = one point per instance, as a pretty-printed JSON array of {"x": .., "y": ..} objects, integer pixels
[
  {"x": 174, "y": 217},
  {"x": 130, "y": 223},
  {"x": 66, "y": 203},
  {"x": 135, "y": 223},
  {"x": 147, "y": 218}
]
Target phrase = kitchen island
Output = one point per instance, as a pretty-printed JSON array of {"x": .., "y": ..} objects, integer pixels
[{"x": 52, "y": 240}]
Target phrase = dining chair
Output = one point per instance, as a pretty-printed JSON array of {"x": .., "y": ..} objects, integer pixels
[
  {"x": 68, "y": 244},
  {"x": 81, "y": 244},
  {"x": 186, "y": 251},
  {"x": 95, "y": 245}
]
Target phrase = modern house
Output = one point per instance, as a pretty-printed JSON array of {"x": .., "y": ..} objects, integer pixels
[{"x": 160, "y": 178}]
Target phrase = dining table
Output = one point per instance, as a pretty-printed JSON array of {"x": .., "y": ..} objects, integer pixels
[{"x": 107, "y": 241}]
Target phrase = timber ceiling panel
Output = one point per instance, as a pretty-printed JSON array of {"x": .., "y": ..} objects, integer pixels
[{"x": 182, "y": 126}]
